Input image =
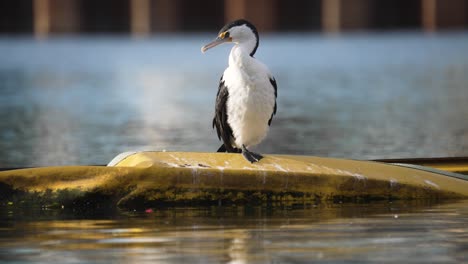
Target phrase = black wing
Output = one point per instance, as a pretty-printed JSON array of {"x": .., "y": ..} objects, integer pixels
[
  {"x": 273, "y": 83},
  {"x": 220, "y": 120}
]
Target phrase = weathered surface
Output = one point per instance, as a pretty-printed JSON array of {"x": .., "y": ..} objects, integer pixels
[{"x": 151, "y": 178}]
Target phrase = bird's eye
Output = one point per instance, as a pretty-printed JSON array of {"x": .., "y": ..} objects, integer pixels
[{"x": 224, "y": 35}]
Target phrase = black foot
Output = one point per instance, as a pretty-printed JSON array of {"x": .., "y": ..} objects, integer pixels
[
  {"x": 222, "y": 149},
  {"x": 230, "y": 150},
  {"x": 250, "y": 156}
]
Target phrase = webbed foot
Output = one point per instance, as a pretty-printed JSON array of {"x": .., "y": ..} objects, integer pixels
[{"x": 250, "y": 156}]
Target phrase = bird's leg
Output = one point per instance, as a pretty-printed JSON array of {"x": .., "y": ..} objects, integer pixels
[
  {"x": 222, "y": 148},
  {"x": 250, "y": 156}
]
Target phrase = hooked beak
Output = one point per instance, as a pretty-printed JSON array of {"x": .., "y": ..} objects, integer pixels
[{"x": 219, "y": 40}]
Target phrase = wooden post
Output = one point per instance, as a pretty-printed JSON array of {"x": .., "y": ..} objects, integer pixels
[
  {"x": 339, "y": 15},
  {"x": 140, "y": 19},
  {"x": 55, "y": 16},
  {"x": 355, "y": 14},
  {"x": 235, "y": 9},
  {"x": 41, "y": 20},
  {"x": 428, "y": 15},
  {"x": 64, "y": 16},
  {"x": 165, "y": 15},
  {"x": 331, "y": 16},
  {"x": 260, "y": 12},
  {"x": 443, "y": 14}
]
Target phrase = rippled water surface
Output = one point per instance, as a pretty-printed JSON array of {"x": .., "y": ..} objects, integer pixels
[
  {"x": 334, "y": 233},
  {"x": 83, "y": 100}
]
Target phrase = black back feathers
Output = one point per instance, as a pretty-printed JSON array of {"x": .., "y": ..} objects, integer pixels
[
  {"x": 220, "y": 120},
  {"x": 275, "y": 87}
]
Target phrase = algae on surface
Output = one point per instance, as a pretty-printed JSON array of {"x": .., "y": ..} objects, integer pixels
[{"x": 154, "y": 178}]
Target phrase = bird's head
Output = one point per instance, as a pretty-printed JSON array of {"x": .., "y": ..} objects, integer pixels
[{"x": 240, "y": 32}]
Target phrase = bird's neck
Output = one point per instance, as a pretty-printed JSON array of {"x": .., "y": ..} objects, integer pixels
[
  {"x": 248, "y": 45},
  {"x": 240, "y": 55}
]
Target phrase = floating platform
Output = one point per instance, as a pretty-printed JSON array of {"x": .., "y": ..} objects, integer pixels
[{"x": 144, "y": 179}]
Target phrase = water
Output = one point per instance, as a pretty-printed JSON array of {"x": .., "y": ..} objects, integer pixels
[
  {"x": 326, "y": 233},
  {"x": 83, "y": 100}
]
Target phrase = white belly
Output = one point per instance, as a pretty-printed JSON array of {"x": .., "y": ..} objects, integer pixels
[{"x": 249, "y": 106}]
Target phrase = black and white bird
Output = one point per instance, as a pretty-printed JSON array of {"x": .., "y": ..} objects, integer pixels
[{"x": 246, "y": 99}]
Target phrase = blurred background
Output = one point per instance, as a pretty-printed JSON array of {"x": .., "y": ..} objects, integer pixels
[{"x": 83, "y": 80}]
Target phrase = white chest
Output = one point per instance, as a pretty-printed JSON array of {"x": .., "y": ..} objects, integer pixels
[{"x": 251, "y": 101}]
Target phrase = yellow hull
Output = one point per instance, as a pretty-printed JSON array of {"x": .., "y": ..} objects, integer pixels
[{"x": 149, "y": 178}]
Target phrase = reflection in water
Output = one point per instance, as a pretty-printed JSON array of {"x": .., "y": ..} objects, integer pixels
[
  {"x": 395, "y": 232},
  {"x": 83, "y": 100}
]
